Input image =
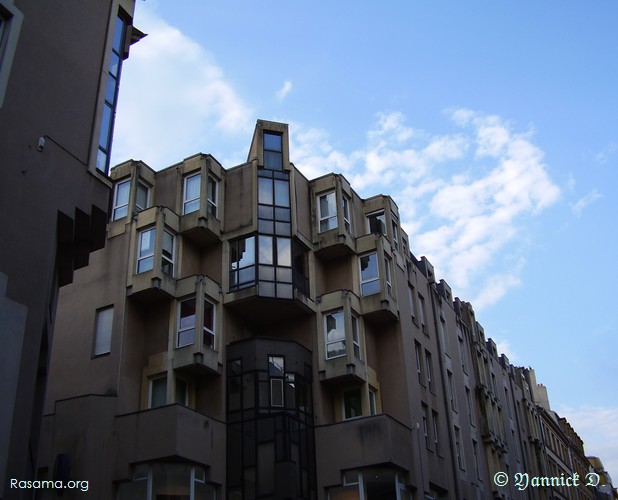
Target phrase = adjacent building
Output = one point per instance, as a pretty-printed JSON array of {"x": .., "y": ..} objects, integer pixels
[
  {"x": 249, "y": 333},
  {"x": 60, "y": 64}
]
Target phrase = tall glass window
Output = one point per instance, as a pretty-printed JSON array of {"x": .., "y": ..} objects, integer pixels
[
  {"x": 121, "y": 200},
  {"x": 242, "y": 263},
  {"x": 111, "y": 95},
  {"x": 273, "y": 151},
  {"x": 186, "y": 323},
  {"x": 145, "y": 252},
  {"x": 335, "y": 334},
  {"x": 191, "y": 196},
  {"x": 212, "y": 196}
]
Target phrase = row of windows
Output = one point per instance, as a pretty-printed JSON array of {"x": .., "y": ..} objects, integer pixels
[{"x": 191, "y": 198}]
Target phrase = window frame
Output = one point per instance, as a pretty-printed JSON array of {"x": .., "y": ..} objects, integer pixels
[
  {"x": 379, "y": 216},
  {"x": 186, "y": 201},
  {"x": 165, "y": 258},
  {"x": 373, "y": 279},
  {"x": 212, "y": 196},
  {"x": 212, "y": 332},
  {"x": 250, "y": 244},
  {"x": 103, "y": 333},
  {"x": 150, "y": 255},
  {"x": 151, "y": 382},
  {"x": 344, "y": 400},
  {"x": 329, "y": 218},
  {"x": 395, "y": 230},
  {"x": 147, "y": 189},
  {"x": 273, "y": 158},
  {"x": 124, "y": 205},
  {"x": 187, "y": 328},
  {"x": 340, "y": 340},
  {"x": 345, "y": 207}
]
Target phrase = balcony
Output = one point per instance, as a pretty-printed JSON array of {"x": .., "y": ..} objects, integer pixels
[
  {"x": 201, "y": 228},
  {"x": 362, "y": 442},
  {"x": 168, "y": 431}
]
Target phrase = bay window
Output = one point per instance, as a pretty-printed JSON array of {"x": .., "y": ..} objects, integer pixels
[
  {"x": 121, "y": 200},
  {"x": 335, "y": 334},
  {"x": 327, "y": 211},
  {"x": 242, "y": 263},
  {"x": 369, "y": 274},
  {"x": 167, "y": 253},
  {"x": 191, "y": 194},
  {"x": 376, "y": 222},
  {"x": 145, "y": 251}
]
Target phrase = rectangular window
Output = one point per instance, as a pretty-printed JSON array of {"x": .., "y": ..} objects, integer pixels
[
  {"x": 369, "y": 274},
  {"x": 181, "y": 393},
  {"x": 376, "y": 222},
  {"x": 419, "y": 365},
  {"x": 429, "y": 369},
  {"x": 186, "y": 323},
  {"x": 273, "y": 151},
  {"x": 242, "y": 263},
  {"x": 346, "y": 214},
  {"x": 395, "y": 228},
  {"x": 421, "y": 311},
  {"x": 276, "y": 372},
  {"x": 212, "y": 196},
  {"x": 142, "y": 195},
  {"x": 327, "y": 212},
  {"x": 335, "y": 334},
  {"x": 462, "y": 354},
  {"x": 451, "y": 390},
  {"x": 476, "y": 458},
  {"x": 121, "y": 200},
  {"x": 412, "y": 301},
  {"x": 356, "y": 337},
  {"x": 145, "y": 251},
  {"x": 436, "y": 431},
  {"x": 167, "y": 254},
  {"x": 10, "y": 26},
  {"x": 103, "y": 331},
  {"x": 373, "y": 402},
  {"x": 191, "y": 194},
  {"x": 352, "y": 404},
  {"x": 111, "y": 95},
  {"x": 426, "y": 427},
  {"x": 387, "y": 276},
  {"x": 209, "y": 325},
  {"x": 157, "y": 395},
  {"x": 459, "y": 448}
]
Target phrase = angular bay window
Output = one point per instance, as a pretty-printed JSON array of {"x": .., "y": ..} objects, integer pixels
[
  {"x": 369, "y": 274},
  {"x": 273, "y": 151},
  {"x": 145, "y": 251},
  {"x": 242, "y": 263},
  {"x": 387, "y": 276},
  {"x": 356, "y": 337},
  {"x": 191, "y": 194},
  {"x": 335, "y": 334},
  {"x": 111, "y": 95},
  {"x": 346, "y": 214},
  {"x": 327, "y": 211},
  {"x": 121, "y": 200},
  {"x": 142, "y": 193},
  {"x": 209, "y": 325}
]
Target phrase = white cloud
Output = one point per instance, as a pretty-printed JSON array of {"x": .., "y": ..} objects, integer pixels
[
  {"x": 598, "y": 427},
  {"x": 468, "y": 220},
  {"x": 504, "y": 347},
  {"x": 285, "y": 90},
  {"x": 174, "y": 99},
  {"x": 583, "y": 202}
]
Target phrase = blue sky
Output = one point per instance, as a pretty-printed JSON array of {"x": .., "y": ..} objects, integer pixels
[{"x": 492, "y": 124}]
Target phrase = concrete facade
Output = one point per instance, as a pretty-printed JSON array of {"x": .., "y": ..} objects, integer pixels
[
  {"x": 250, "y": 333},
  {"x": 55, "y": 65}
]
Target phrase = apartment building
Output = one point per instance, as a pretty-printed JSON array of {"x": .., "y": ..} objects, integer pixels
[
  {"x": 60, "y": 66},
  {"x": 250, "y": 333}
]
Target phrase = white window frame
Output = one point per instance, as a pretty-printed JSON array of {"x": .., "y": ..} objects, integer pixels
[
  {"x": 151, "y": 252},
  {"x": 11, "y": 19},
  {"x": 181, "y": 330},
  {"x": 186, "y": 201},
  {"x": 387, "y": 275},
  {"x": 372, "y": 279},
  {"x": 345, "y": 205},
  {"x": 172, "y": 257},
  {"x": 121, "y": 205},
  {"x": 104, "y": 325},
  {"x": 379, "y": 215},
  {"x": 208, "y": 331},
  {"x": 328, "y": 217},
  {"x": 341, "y": 340},
  {"x": 356, "y": 336}
]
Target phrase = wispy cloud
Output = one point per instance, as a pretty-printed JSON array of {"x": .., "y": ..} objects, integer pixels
[
  {"x": 173, "y": 97},
  {"x": 504, "y": 347},
  {"x": 598, "y": 427},
  {"x": 583, "y": 202},
  {"x": 465, "y": 218},
  {"x": 285, "y": 90},
  {"x": 607, "y": 153}
]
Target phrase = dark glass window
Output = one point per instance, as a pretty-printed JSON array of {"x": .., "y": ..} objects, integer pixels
[
  {"x": 242, "y": 263},
  {"x": 273, "y": 151}
]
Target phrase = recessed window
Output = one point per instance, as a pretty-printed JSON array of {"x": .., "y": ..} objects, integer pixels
[
  {"x": 387, "y": 276},
  {"x": 346, "y": 214},
  {"x": 145, "y": 252},
  {"x": 352, "y": 404},
  {"x": 103, "y": 331},
  {"x": 373, "y": 402},
  {"x": 412, "y": 301},
  {"x": 395, "y": 229},
  {"x": 158, "y": 392},
  {"x": 273, "y": 151},
  {"x": 181, "y": 392},
  {"x": 167, "y": 254},
  {"x": 376, "y": 222},
  {"x": 419, "y": 363},
  {"x": 335, "y": 334},
  {"x": 436, "y": 431},
  {"x": 425, "y": 426},
  {"x": 186, "y": 323},
  {"x": 429, "y": 366},
  {"x": 142, "y": 193},
  {"x": 191, "y": 194},
  {"x": 121, "y": 200},
  {"x": 209, "y": 325},
  {"x": 356, "y": 337},
  {"x": 212, "y": 196},
  {"x": 327, "y": 211},
  {"x": 369, "y": 273}
]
